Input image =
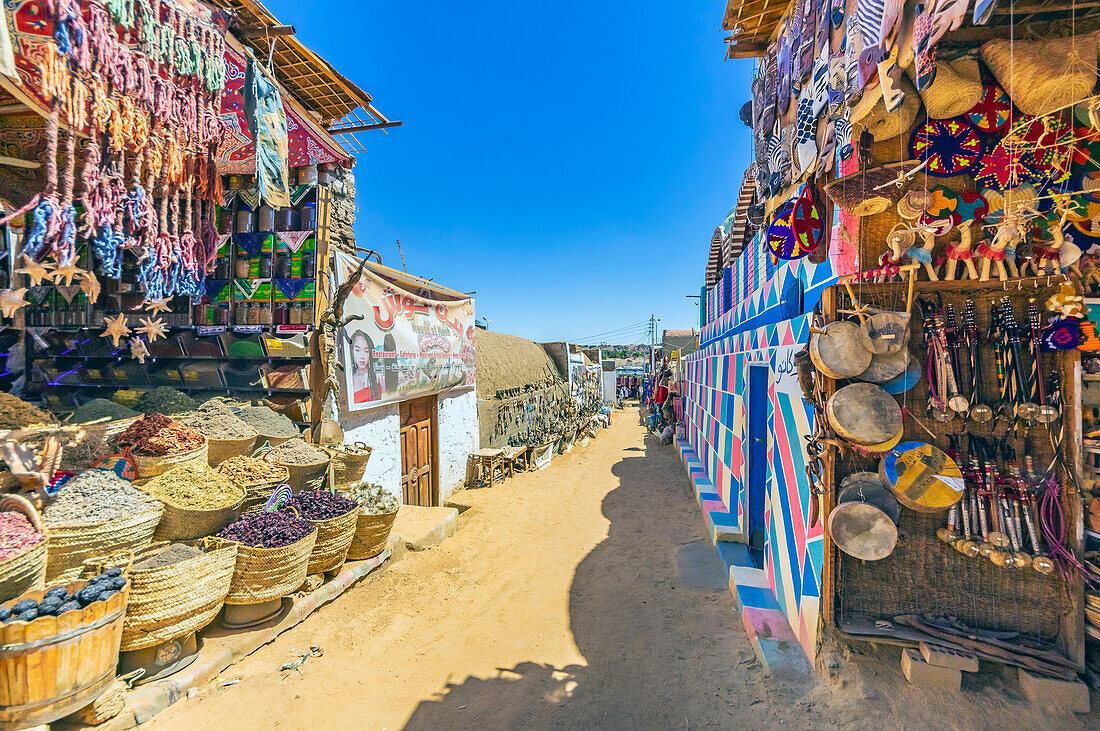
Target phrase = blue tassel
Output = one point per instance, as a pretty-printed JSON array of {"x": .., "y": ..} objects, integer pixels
[
  {"x": 68, "y": 232},
  {"x": 108, "y": 249},
  {"x": 36, "y": 238}
]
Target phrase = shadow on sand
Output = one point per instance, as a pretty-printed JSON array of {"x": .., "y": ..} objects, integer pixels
[{"x": 650, "y": 613}]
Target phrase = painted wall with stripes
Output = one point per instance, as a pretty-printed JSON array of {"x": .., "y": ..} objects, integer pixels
[{"x": 768, "y": 325}]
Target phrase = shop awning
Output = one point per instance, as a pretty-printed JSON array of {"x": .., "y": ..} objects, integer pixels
[{"x": 753, "y": 23}]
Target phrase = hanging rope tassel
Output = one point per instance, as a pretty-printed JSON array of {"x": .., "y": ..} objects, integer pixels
[{"x": 47, "y": 218}]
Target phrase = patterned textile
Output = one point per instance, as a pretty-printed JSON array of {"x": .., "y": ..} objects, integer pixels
[{"x": 951, "y": 146}]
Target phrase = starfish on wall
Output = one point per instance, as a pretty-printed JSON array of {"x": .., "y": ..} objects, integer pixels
[
  {"x": 89, "y": 285},
  {"x": 116, "y": 329},
  {"x": 11, "y": 300},
  {"x": 138, "y": 350},
  {"x": 155, "y": 306},
  {"x": 152, "y": 329},
  {"x": 67, "y": 273},
  {"x": 34, "y": 271}
]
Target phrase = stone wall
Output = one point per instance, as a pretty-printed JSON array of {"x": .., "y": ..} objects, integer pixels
[{"x": 344, "y": 207}]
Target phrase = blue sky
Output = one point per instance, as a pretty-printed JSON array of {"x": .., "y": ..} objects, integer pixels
[{"x": 568, "y": 161}]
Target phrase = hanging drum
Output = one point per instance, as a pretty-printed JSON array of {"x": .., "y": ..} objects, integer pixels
[
  {"x": 905, "y": 381},
  {"x": 922, "y": 477},
  {"x": 864, "y": 414},
  {"x": 838, "y": 352},
  {"x": 864, "y": 523},
  {"x": 886, "y": 367},
  {"x": 886, "y": 332}
]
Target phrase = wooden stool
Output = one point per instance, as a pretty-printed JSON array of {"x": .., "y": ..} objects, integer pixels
[{"x": 488, "y": 462}]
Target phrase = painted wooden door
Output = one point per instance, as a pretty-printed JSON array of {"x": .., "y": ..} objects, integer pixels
[
  {"x": 757, "y": 487},
  {"x": 418, "y": 440}
]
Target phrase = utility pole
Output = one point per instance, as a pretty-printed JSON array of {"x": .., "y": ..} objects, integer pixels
[{"x": 653, "y": 320}]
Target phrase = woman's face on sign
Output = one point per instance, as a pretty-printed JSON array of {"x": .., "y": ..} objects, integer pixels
[{"x": 361, "y": 354}]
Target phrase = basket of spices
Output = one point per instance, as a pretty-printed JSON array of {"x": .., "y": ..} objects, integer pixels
[
  {"x": 226, "y": 434},
  {"x": 349, "y": 461},
  {"x": 175, "y": 589},
  {"x": 22, "y": 547},
  {"x": 198, "y": 502},
  {"x": 307, "y": 465},
  {"x": 377, "y": 512},
  {"x": 256, "y": 477},
  {"x": 273, "y": 552},
  {"x": 59, "y": 648},
  {"x": 334, "y": 516},
  {"x": 104, "y": 418},
  {"x": 159, "y": 443},
  {"x": 273, "y": 427},
  {"x": 95, "y": 514}
]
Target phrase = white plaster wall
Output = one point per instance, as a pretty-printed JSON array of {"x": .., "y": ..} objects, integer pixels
[
  {"x": 379, "y": 429},
  {"x": 610, "y": 386},
  {"x": 458, "y": 438}
]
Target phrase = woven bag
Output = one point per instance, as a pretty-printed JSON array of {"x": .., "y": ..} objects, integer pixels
[
  {"x": 174, "y": 600},
  {"x": 264, "y": 574},
  {"x": 153, "y": 466},
  {"x": 955, "y": 91},
  {"x": 184, "y": 524},
  {"x": 372, "y": 534},
  {"x": 219, "y": 450},
  {"x": 1046, "y": 75},
  {"x": 334, "y": 537},
  {"x": 70, "y": 546},
  {"x": 347, "y": 469}
]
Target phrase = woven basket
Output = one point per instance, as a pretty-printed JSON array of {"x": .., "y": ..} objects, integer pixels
[
  {"x": 257, "y": 494},
  {"x": 23, "y": 572},
  {"x": 955, "y": 90},
  {"x": 334, "y": 537},
  {"x": 301, "y": 475},
  {"x": 219, "y": 450},
  {"x": 372, "y": 533},
  {"x": 153, "y": 466},
  {"x": 174, "y": 600},
  {"x": 860, "y": 193},
  {"x": 263, "y": 574},
  {"x": 273, "y": 441},
  {"x": 70, "y": 546},
  {"x": 1045, "y": 75},
  {"x": 885, "y": 125},
  {"x": 109, "y": 429},
  {"x": 347, "y": 469},
  {"x": 184, "y": 524}
]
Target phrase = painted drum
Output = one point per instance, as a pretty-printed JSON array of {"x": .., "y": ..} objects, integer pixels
[
  {"x": 886, "y": 367},
  {"x": 905, "y": 381},
  {"x": 864, "y": 414},
  {"x": 886, "y": 332},
  {"x": 922, "y": 477},
  {"x": 838, "y": 350},
  {"x": 863, "y": 531}
]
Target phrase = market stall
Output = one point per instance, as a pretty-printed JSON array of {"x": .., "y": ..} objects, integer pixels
[
  {"x": 922, "y": 218},
  {"x": 164, "y": 271}
]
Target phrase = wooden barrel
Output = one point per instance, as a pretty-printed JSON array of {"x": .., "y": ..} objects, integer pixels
[{"x": 53, "y": 666}]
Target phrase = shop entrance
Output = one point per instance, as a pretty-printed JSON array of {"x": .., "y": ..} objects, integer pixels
[
  {"x": 756, "y": 490},
  {"x": 418, "y": 449}
]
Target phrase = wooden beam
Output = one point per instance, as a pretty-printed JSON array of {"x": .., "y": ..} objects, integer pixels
[
  {"x": 268, "y": 31},
  {"x": 364, "y": 128}
]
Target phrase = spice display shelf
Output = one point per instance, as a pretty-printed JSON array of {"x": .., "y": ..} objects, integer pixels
[{"x": 188, "y": 389}]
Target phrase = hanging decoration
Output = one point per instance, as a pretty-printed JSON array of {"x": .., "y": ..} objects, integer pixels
[
  {"x": 116, "y": 329},
  {"x": 152, "y": 329},
  {"x": 949, "y": 146},
  {"x": 34, "y": 271},
  {"x": 11, "y": 300}
]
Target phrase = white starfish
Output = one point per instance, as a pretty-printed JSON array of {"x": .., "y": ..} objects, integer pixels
[
  {"x": 155, "y": 306},
  {"x": 152, "y": 329},
  {"x": 33, "y": 271},
  {"x": 11, "y": 300},
  {"x": 138, "y": 351}
]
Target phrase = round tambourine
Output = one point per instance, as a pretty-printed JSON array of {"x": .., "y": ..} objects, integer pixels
[
  {"x": 950, "y": 146},
  {"x": 864, "y": 414},
  {"x": 922, "y": 477},
  {"x": 993, "y": 110}
]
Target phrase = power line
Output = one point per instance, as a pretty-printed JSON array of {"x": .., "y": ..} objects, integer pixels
[{"x": 613, "y": 331}]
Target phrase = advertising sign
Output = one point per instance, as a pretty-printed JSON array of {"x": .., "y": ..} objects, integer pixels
[{"x": 408, "y": 344}]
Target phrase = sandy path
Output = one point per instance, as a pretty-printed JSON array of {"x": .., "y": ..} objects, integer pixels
[{"x": 584, "y": 596}]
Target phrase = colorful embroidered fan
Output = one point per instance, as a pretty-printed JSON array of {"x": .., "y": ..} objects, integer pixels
[
  {"x": 808, "y": 224},
  {"x": 781, "y": 239},
  {"x": 950, "y": 146},
  {"x": 993, "y": 111}
]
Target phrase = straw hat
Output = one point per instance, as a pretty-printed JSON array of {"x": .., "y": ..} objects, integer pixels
[
  {"x": 1045, "y": 75},
  {"x": 956, "y": 89},
  {"x": 885, "y": 125}
]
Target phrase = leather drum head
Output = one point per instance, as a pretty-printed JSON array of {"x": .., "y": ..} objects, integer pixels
[
  {"x": 886, "y": 367},
  {"x": 886, "y": 332},
  {"x": 864, "y": 414},
  {"x": 838, "y": 351},
  {"x": 863, "y": 531},
  {"x": 872, "y": 493}
]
